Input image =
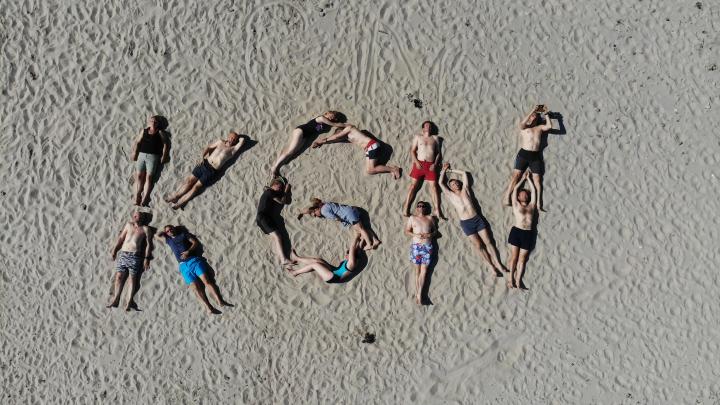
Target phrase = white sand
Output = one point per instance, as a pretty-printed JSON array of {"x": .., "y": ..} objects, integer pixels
[{"x": 622, "y": 306}]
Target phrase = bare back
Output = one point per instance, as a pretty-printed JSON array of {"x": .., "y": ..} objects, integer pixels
[
  {"x": 135, "y": 238},
  {"x": 427, "y": 147}
]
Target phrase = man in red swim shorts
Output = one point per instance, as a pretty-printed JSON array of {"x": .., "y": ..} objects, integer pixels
[{"x": 426, "y": 156}]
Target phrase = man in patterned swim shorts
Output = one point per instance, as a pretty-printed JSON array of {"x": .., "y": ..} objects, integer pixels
[{"x": 422, "y": 227}]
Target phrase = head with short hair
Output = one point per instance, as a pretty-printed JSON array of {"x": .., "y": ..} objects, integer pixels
[
  {"x": 157, "y": 122},
  {"x": 523, "y": 197},
  {"x": 429, "y": 127},
  {"x": 233, "y": 138},
  {"x": 422, "y": 207},
  {"x": 455, "y": 184}
]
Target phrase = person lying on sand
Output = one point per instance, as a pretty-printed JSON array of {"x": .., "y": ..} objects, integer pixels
[
  {"x": 370, "y": 145},
  {"x": 214, "y": 156},
  {"x": 347, "y": 215},
  {"x": 132, "y": 254},
  {"x": 522, "y": 235},
  {"x": 530, "y": 153},
  {"x": 150, "y": 151},
  {"x": 475, "y": 228},
  {"x": 301, "y": 134},
  {"x": 327, "y": 272},
  {"x": 422, "y": 227},
  {"x": 426, "y": 156},
  {"x": 193, "y": 267},
  {"x": 268, "y": 217}
]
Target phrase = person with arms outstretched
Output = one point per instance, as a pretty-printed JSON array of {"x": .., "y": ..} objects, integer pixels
[
  {"x": 300, "y": 135},
  {"x": 132, "y": 254},
  {"x": 522, "y": 235},
  {"x": 475, "y": 228},
  {"x": 422, "y": 227},
  {"x": 193, "y": 267},
  {"x": 372, "y": 147},
  {"x": 215, "y": 156},
  {"x": 426, "y": 154},
  {"x": 530, "y": 154},
  {"x": 326, "y": 271},
  {"x": 347, "y": 215}
]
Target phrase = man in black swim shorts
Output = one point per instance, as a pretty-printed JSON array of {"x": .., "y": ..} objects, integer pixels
[
  {"x": 522, "y": 235},
  {"x": 530, "y": 154}
]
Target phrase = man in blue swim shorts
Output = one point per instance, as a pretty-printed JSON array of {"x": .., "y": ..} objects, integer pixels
[
  {"x": 196, "y": 272},
  {"x": 473, "y": 225},
  {"x": 422, "y": 227}
]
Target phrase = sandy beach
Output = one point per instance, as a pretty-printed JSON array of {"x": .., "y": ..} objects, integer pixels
[{"x": 622, "y": 304}]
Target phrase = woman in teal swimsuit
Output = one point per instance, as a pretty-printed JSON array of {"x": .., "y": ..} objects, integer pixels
[{"x": 327, "y": 272}]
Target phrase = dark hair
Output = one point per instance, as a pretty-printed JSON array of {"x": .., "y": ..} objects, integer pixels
[
  {"x": 337, "y": 116},
  {"x": 161, "y": 122},
  {"x": 458, "y": 181},
  {"x": 433, "y": 128}
]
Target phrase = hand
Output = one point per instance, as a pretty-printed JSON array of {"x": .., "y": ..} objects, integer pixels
[
  {"x": 316, "y": 145},
  {"x": 165, "y": 159},
  {"x": 146, "y": 265},
  {"x": 418, "y": 165},
  {"x": 184, "y": 255},
  {"x": 446, "y": 166},
  {"x": 526, "y": 175},
  {"x": 432, "y": 167}
]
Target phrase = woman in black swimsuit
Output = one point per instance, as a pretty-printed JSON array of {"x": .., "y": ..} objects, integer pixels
[
  {"x": 308, "y": 130},
  {"x": 150, "y": 151}
]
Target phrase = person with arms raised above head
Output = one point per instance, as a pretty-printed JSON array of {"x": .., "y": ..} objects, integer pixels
[{"x": 522, "y": 235}]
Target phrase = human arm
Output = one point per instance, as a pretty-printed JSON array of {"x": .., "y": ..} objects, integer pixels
[
  {"x": 119, "y": 242},
  {"x": 326, "y": 121},
  {"x": 148, "y": 247},
  {"x": 441, "y": 179},
  {"x": 136, "y": 144},
  {"x": 210, "y": 148},
  {"x": 548, "y": 123},
  {"x": 166, "y": 147},
  {"x": 413, "y": 153},
  {"x": 194, "y": 244},
  {"x": 533, "y": 191},
  {"x": 523, "y": 123},
  {"x": 438, "y": 155},
  {"x": 333, "y": 138},
  {"x": 236, "y": 148},
  {"x": 409, "y": 227},
  {"x": 286, "y": 197},
  {"x": 513, "y": 196}
]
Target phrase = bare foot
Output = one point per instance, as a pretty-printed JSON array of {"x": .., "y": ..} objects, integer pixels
[
  {"x": 510, "y": 284},
  {"x": 112, "y": 305},
  {"x": 170, "y": 199},
  {"x": 440, "y": 215},
  {"x": 418, "y": 300},
  {"x": 177, "y": 206},
  {"x": 396, "y": 172},
  {"x": 498, "y": 273}
]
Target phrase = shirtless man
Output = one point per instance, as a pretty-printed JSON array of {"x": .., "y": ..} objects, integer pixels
[
  {"x": 132, "y": 253},
  {"x": 214, "y": 156},
  {"x": 459, "y": 194},
  {"x": 423, "y": 230},
  {"x": 522, "y": 235},
  {"x": 371, "y": 146},
  {"x": 192, "y": 266},
  {"x": 530, "y": 154},
  {"x": 426, "y": 155}
]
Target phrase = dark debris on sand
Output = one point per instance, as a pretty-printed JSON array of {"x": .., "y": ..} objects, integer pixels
[{"x": 369, "y": 338}]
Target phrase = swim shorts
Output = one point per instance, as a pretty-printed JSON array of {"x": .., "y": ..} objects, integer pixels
[
  {"x": 129, "y": 261},
  {"x": 192, "y": 269},
  {"x": 424, "y": 173},
  {"x": 421, "y": 253},
  {"x": 148, "y": 162},
  {"x": 522, "y": 238},
  {"x": 372, "y": 149},
  {"x": 204, "y": 172},
  {"x": 531, "y": 159},
  {"x": 473, "y": 225}
]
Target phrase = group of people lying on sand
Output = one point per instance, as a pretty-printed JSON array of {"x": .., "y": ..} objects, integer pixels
[{"x": 133, "y": 249}]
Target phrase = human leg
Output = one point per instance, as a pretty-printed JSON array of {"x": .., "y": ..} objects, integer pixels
[
  {"x": 371, "y": 167},
  {"x": 512, "y": 263},
  {"x": 365, "y": 237},
  {"x": 199, "y": 290},
  {"x": 194, "y": 190},
  {"x": 139, "y": 184},
  {"x": 118, "y": 284},
  {"x": 522, "y": 261},
  {"x": 323, "y": 270},
  {"x": 480, "y": 247},
  {"x": 537, "y": 180},
  {"x": 134, "y": 287},
  {"x": 187, "y": 184},
  {"x": 293, "y": 146},
  {"x": 492, "y": 252},
  {"x": 147, "y": 189},
  {"x": 435, "y": 195},
  {"x": 214, "y": 290},
  {"x": 514, "y": 178},
  {"x": 277, "y": 244},
  {"x": 412, "y": 192}
]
